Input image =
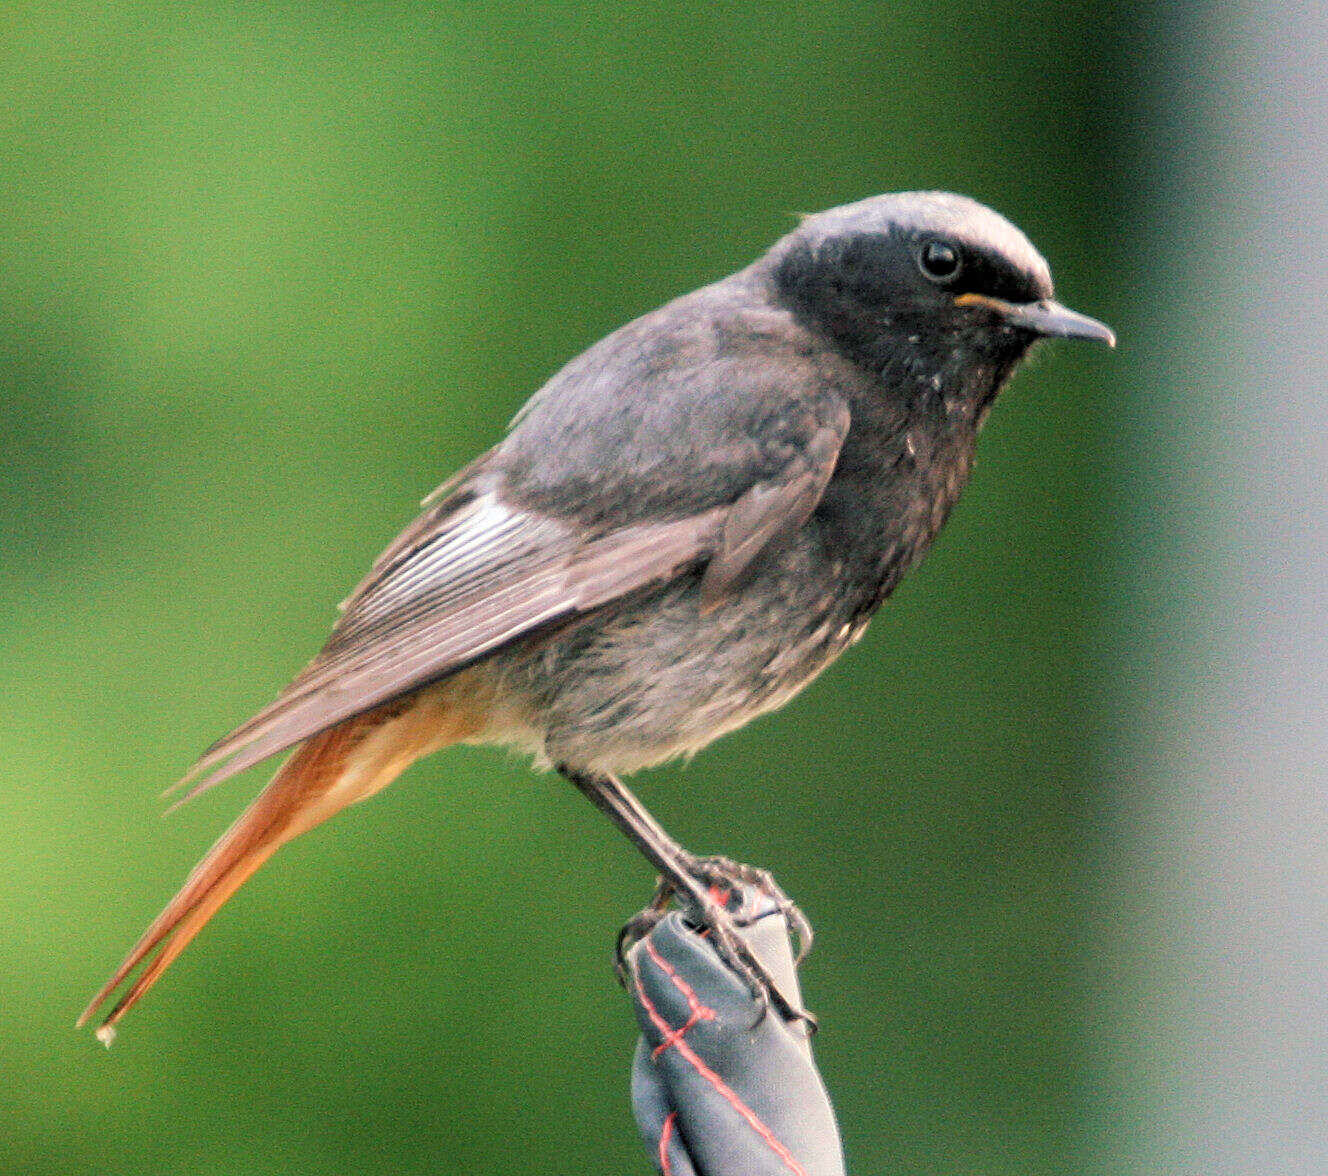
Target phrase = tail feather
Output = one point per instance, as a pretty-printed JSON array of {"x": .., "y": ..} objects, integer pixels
[{"x": 348, "y": 763}]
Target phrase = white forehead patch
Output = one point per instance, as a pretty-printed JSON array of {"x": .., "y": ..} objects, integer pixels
[{"x": 942, "y": 213}]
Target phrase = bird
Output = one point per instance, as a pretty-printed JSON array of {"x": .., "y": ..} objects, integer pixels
[{"x": 680, "y": 530}]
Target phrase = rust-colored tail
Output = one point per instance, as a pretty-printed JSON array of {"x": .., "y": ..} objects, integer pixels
[{"x": 350, "y": 762}]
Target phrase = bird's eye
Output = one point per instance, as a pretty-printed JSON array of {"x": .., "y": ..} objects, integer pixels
[{"x": 939, "y": 260}]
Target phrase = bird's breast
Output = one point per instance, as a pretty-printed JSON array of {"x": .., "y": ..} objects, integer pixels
[{"x": 886, "y": 503}]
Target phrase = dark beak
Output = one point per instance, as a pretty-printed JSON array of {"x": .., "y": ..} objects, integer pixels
[{"x": 1047, "y": 318}]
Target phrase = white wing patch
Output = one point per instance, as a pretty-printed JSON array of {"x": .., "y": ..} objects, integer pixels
[{"x": 479, "y": 546}]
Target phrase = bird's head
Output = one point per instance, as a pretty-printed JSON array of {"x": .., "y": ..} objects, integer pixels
[{"x": 924, "y": 284}]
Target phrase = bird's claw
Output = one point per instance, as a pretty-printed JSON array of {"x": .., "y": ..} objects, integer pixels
[
  {"x": 636, "y": 929},
  {"x": 723, "y": 872},
  {"x": 709, "y": 891}
]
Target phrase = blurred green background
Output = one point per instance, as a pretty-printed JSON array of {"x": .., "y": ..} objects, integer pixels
[{"x": 269, "y": 272}]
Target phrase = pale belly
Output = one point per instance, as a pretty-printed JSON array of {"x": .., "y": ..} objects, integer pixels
[{"x": 653, "y": 678}]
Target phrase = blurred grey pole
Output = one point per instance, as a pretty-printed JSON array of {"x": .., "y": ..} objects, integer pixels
[{"x": 1215, "y": 983}]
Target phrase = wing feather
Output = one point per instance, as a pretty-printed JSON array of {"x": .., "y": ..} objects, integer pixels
[
  {"x": 772, "y": 509},
  {"x": 485, "y": 576},
  {"x": 473, "y": 573}
]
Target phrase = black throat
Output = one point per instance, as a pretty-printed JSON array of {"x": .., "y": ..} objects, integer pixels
[{"x": 927, "y": 381}]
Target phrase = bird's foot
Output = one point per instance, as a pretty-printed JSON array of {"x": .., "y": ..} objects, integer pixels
[
  {"x": 725, "y": 876},
  {"x": 710, "y": 892}
]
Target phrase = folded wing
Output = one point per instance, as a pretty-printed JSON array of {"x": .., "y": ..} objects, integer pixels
[
  {"x": 476, "y": 571},
  {"x": 469, "y": 576}
]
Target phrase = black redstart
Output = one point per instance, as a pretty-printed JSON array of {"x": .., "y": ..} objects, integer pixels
[{"x": 682, "y": 528}]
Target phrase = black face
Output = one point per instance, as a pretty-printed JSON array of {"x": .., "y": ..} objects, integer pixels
[{"x": 876, "y": 292}]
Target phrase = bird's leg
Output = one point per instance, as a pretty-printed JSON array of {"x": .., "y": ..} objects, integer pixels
[{"x": 700, "y": 885}]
